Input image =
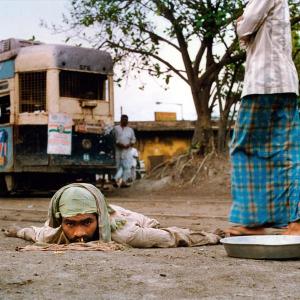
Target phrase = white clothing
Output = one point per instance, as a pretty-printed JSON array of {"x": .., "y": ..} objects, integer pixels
[
  {"x": 265, "y": 31},
  {"x": 123, "y": 135},
  {"x": 135, "y": 156}
]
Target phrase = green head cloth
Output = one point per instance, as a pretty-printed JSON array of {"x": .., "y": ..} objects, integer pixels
[
  {"x": 81, "y": 198},
  {"x": 75, "y": 201}
]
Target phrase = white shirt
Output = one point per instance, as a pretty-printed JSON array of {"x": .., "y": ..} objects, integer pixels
[
  {"x": 124, "y": 135},
  {"x": 265, "y": 32}
]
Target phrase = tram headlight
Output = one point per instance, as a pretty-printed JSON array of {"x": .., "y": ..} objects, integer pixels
[{"x": 86, "y": 144}]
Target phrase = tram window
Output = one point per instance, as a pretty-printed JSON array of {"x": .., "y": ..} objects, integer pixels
[
  {"x": 32, "y": 91},
  {"x": 4, "y": 109},
  {"x": 4, "y": 86},
  {"x": 82, "y": 85}
]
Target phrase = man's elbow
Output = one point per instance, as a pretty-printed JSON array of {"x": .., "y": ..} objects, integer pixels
[
  {"x": 249, "y": 26},
  {"x": 244, "y": 32}
]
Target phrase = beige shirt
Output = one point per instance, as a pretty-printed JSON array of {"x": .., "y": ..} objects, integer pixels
[
  {"x": 137, "y": 231},
  {"x": 265, "y": 32}
]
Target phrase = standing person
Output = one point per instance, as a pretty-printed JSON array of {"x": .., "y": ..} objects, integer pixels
[
  {"x": 125, "y": 139},
  {"x": 266, "y": 144},
  {"x": 135, "y": 157}
]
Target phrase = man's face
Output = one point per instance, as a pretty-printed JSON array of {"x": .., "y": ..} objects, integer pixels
[
  {"x": 80, "y": 228},
  {"x": 124, "y": 121}
]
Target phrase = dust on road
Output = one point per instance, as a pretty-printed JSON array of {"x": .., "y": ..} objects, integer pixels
[{"x": 179, "y": 273}]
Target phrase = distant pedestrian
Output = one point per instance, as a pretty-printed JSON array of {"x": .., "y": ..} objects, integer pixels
[
  {"x": 135, "y": 157},
  {"x": 125, "y": 139}
]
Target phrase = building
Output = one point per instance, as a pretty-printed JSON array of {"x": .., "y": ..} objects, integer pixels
[{"x": 158, "y": 141}]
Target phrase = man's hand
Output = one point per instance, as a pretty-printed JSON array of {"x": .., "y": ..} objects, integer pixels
[
  {"x": 240, "y": 18},
  {"x": 246, "y": 39},
  {"x": 123, "y": 146},
  {"x": 12, "y": 231}
]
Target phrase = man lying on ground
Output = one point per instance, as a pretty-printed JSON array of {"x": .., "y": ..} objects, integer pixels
[{"x": 79, "y": 213}]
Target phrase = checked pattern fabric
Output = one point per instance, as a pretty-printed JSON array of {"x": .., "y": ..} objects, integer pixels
[{"x": 265, "y": 157}]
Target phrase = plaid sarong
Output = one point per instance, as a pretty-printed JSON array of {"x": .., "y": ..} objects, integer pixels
[{"x": 265, "y": 161}]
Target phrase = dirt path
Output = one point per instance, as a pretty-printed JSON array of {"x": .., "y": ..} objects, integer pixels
[{"x": 181, "y": 273}]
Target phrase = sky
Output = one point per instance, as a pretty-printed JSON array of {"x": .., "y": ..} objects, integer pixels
[{"x": 22, "y": 19}]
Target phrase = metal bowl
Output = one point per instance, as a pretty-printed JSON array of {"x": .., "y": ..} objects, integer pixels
[{"x": 263, "y": 246}]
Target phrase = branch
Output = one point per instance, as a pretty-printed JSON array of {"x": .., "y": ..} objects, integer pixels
[
  {"x": 159, "y": 38},
  {"x": 295, "y": 20},
  {"x": 152, "y": 55},
  {"x": 228, "y": 102},
  {"x": 199, "y": 57},
  {"x": 209, "y": 54},
  {"x": 168, "y": 14},
  {"x": 296, "y": 54}
]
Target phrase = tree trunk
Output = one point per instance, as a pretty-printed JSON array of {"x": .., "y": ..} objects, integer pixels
[
  {"x": 203, "y": 138},
  {"x": 222, "y": 134},
  {"x": 203, "y": 141}
]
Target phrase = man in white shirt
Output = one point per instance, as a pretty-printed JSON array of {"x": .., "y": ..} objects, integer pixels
[
  {"x": 265, "y": 148},
  {"x": 125, "y": 139},
  {"x": 264, "y": 30}
]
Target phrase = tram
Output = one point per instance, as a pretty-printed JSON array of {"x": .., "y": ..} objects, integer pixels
[{"x": 56, "y": 115}]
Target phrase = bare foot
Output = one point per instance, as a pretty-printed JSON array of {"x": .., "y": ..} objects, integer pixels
[
  {"x": 243, "y": 230},
  {"x": 293, "y": 229}
]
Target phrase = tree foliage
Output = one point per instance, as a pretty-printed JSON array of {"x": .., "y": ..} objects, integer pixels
[
  {"x": 296, "y": 49},
  {"x": 194, "y": 40}
]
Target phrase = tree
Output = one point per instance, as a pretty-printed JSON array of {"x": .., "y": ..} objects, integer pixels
[
  {"x": 200, "y": 33},
  {"x": 296, "y": 49},
  {"x": 228, "y": 94}
]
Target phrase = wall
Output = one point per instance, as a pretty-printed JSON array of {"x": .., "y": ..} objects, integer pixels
[
  {"x": 155, "y": 149},
  {"x": 159, "y": 141}
]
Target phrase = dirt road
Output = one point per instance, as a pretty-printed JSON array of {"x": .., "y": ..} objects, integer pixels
[{"x": 181, "y": 273}]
